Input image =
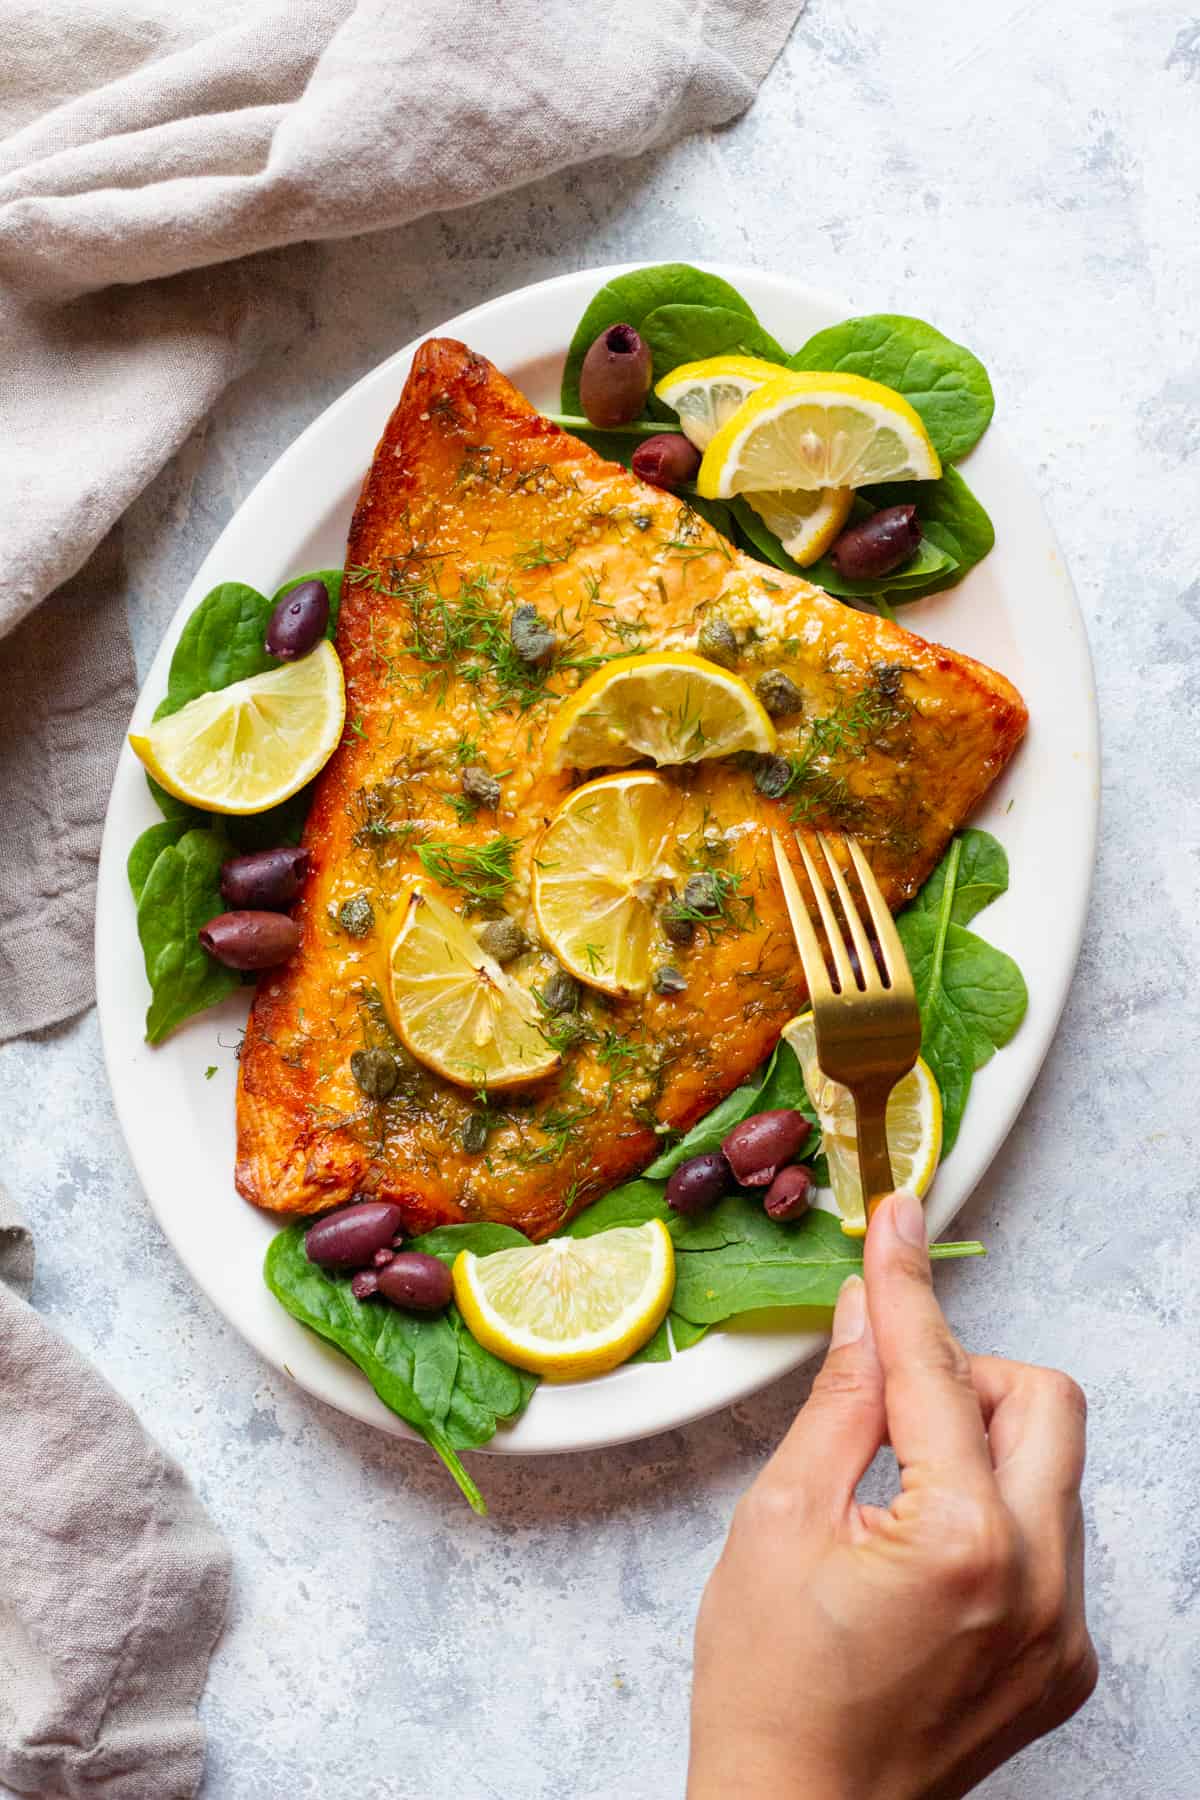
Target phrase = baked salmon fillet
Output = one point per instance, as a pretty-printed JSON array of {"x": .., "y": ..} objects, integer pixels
[{"x": 475, "y": 505}]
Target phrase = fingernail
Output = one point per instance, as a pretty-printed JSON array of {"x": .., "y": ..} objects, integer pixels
[
  {"x": 850, "y": 1313},
  {"x": 910, "y": 1219}
]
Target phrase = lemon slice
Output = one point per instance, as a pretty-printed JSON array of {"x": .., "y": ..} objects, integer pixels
[
  {"x": 706, "y": 394},
  {"x": 571, "y": 1307},
  {"x": 253, "y": 743},
  {"x": 813, "y": 430},
  {"x": 456, "y": 1009},
  {"x": 598, "y": 871},
  {"x": 673, "y": 708},
  {"x": 805, "y": 520},
  {"x": 914, "y": 1127}
]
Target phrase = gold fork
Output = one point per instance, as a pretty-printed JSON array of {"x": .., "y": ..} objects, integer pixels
[{"x": 868, "y": 1028}]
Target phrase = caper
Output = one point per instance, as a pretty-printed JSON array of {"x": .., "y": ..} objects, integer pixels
[
  {"x": 531, "y": 637},
  {"x": 666, "y": 979},
  {"x": 480, "y": 787},
  {"x": 718, "y": 641},
  {"x": 677, "y": 927},
  {"x": 356, "y": 916},
  {"x": 475, "y": 1133},
  {"x": 376, "y": 1072},
  {"x": 772, "y": 776},
  {"x": 702, "y": 892},
  {"x": 570, "y": 1028},
  {"x": 779, "y": 694},
  {"x": 561, "y": 993},
  {"x": 502, "y": 940}
]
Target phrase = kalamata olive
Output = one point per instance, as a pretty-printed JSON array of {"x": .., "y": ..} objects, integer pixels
[
  {"x": 717, "y": 640},
  {"x": 250, "y": 940},
  {"x": 365, "y": 1284},
  {"x": 531, "y": 637},
  {"x": 666, "y": 979},
  {"x": 561, "y": 992},
  {"x": 763, "y": 1143},
  {"x": 698, "y": 1183},
  {"x": 502, "y": 940},
  {"x": 298, "y": 622},
  {"x": 349, "y": 1237},
  {"x": 480, "y": 787},
  {"x": 779, "y": 694},
  {"x": 790, "y": 1194},
  {"x": 879, "y": 545},
  {"x": 666, "y": 460},
  {"x": 376, "y": 1072},
  {"x": 265, "y": 878},
  {"x": 383, "y": 1257},
  {"x": 615, "y": 377},
  {"x": 702, "y": 892},
  {"x": 356, "y": 916},
  {"x": 417, "y": 1282},
  {"x": 772, "y": 775}
]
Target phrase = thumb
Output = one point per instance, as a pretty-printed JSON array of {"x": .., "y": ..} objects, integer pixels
[{"x": 842, "y": 1424}]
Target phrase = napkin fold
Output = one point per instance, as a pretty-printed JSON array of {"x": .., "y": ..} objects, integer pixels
[
  {"x": 115, "y": 1581},
  {"x": 145, "y": 142}
]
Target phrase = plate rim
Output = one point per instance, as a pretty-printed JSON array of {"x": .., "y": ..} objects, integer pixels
[{"x": 329, "y": 1377}]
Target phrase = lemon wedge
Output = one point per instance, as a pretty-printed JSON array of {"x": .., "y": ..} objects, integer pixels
[
  {"x": 571, "y": 1307},
  {"x": 805, "y": 520},
  {"x": 706, "y": 394},
  {"x": 598, "y": 871},
  {"x": 914, "y": 1127},
  {"x": 254, "y": 743},
  {"x": 455, "y": 1008},
  {"x": 808, "y": 429},
  {"x": 673, "y": 708}
]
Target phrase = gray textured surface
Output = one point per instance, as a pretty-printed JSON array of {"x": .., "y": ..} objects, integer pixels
[{"x": 1026, "y": 176}]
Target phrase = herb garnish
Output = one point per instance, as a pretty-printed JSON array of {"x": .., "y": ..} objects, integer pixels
[{"x": 483, "y": 872}]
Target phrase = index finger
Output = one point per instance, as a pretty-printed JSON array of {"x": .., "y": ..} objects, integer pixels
[{"x": 933, "y": 1410}]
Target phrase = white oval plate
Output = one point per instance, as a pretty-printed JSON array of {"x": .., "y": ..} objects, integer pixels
[{"x": 1016, "y": 611}]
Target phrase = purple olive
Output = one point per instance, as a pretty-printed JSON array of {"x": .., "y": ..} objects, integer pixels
[
  {"x": 250, "y": 940},
  {"x": 763, "y": 1143},
  {"x": 790, "y": 1194},
  {"x": 879, "y": 545},
  {"x": 298, "y": 621},
  {"x": 666, "y": 461},
  {"x": 615, "y": 377},
  {"x": 350, "y": 1237},
  {"x": 698, "y": 1183},
  {"x": 416, "y": 1282},
  {"x": 264, "y": 878},
  {"x": 365, "y": 1284}
]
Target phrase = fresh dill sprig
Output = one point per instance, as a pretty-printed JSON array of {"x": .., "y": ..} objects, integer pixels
[{"x": 483, "y": 872}]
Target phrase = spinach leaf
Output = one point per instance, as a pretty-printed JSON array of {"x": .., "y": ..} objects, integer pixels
[
  {"x": 630, "y": 299},
  {"x": 972, "y": 996},
  {"x": 778, "y": 1083},
  {"x": 430, "y": 1371},
  {"x": 179, "y": 894},
  {"x": 942, "y": 380},
  {"x": 145, "y": 852},
  {"x": 951, "y": 517},
  {"x": 222, "y": 641},
  {"x": 682, "y": 334}
]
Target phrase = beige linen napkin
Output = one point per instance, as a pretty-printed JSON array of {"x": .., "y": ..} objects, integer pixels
[
  {"x": 142, "y": 142},
  {"x": 113, "y": 1579}
]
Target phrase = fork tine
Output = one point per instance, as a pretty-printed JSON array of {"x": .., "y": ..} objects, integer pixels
[
  {"x": 816, "y": 975},
  {"x": 862, "y": 943},
  {"x": 833, "y": 931},
  {"x": 894, "y": 960}
]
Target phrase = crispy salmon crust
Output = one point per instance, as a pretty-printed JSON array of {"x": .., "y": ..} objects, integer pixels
[{"x": 473, "y": 505}]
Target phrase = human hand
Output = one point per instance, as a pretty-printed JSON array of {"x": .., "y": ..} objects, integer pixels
[{"x": 850, "y": 1652}]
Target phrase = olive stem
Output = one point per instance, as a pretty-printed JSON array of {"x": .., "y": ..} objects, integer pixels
[{"x": 637, "y": 428}]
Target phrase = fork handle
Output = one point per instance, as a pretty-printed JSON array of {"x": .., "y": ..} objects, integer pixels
[{"x": 874, "y": 1160}]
